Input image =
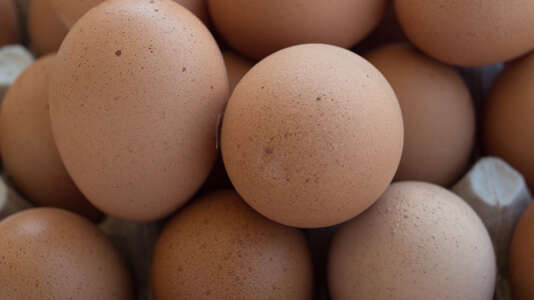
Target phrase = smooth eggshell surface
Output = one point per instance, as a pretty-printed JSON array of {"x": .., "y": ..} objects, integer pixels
[
  {"x": 44, "y": 27},
  {"x": 469, "y": 33},
  {"x": 312, "y": 135},
  {"x": 259, "y": 28},
  {"x": 236, "y": 66},
  {"x": 10, "y": 29},
  {"x": 48, "y": 253},
  {"x": 219, "y": 248},
  {"x": 30, "y": 156},
  {"x": 134, "y": 103},
  {"x": 71, "y": 11},
  {"x": 508, "y": 121},
  {"x": 438, "y": 113},
  {"x": 418, "y": 242},
  {"x": 521, "y": 260}
]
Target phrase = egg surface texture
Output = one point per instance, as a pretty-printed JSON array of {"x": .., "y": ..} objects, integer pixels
[
  {"x": 438, "y": 113},
  {"x": 521, "y": 260},
  {"x": 29, "y": 153},
  {"x": 261, "y": 27},
  {"x": 312, "y": 135},
  {"x": 49, "y": 253},
  {"x": 220, "y": 248},
  {"x": 134, "y": 104},
  {"x": 469, "y": 33},
  {"x": 508, "y": 117},
  {"x": 418, "y": 242}
]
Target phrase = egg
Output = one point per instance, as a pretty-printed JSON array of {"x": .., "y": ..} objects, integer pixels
[
  {"x": 236, "y": 66},
  {"x": 438, "y": 113},
  {"x": 259, "y": 28},
  {"x": 219, "y": 248},
  {"x": 45, "y": 29},
  {"x": 507, "y": 119},
  {"x": 312, "y": 135},
  {"x": 469, "y": 33},
  {"x": 521, "y": 261},
  {"x": 419, "y": 241},
  {"x": 71, "y": 11},
  {"x": 10, "y": 33},
  {"x": 134, "y": 105},
  {"x": 49, "y": 253},
  {"x": 31, "y": 159}
]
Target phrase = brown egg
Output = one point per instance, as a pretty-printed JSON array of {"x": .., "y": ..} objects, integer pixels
[
  {"x": 10, "y": 32},
  {"x": 134, "y": 106},
  {"x": 469, "y": 33},
  {"x": 521, "y": 260},
  {"x": 49, "y": 253},
  {"x": 259, "y": 28},
  {"x": 71, "y": 11},
  {"x": 29, "y": 152},
  {"x": 44, "y": 27},
  {"x": 418, "y": 242},
  {"x": 508, "y": 118},
  {"x": 438, "y": 113},
  {"x": 219, "y": 248},
  {"x": 312, "y": 136},
  {"x": 236, "y": 66}
]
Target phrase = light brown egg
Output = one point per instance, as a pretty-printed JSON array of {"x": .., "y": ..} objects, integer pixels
[
  {"x": 219, "y": 248},
  {"x": 71, "y": 11},
  {"x": 521, "y": 260},
  {"x": 45, "y": 29},
  {"x": 508, "y": 117},
  {"x": 49, "y": 253},
  {"x": 134, "y": 106},
  {"x": 9, "y": 23},
  {"x": 29, "y": 153},
  {"x": 259, "y": 28},
  {"x": 469, "y": 33},
  {"x": 418, "y": 242},
  {"x": 438, "y": 113},
  {"x": 312, "y": 135}
]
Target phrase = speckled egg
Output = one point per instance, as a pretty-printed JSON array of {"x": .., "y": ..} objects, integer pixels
[
  {"x": 45, "y": 29},
  {"x": 418, "y": 242},
  {"x": 49, "y": 253},
  {"x": 438, "y": 113},
  {"x": 259, "y": 28},
  {"x": 135, "y": 102},
  {"x": 31, "y": 159},
  {"x": 219, "y": 248},
  {"x": 236, "y": 66},
  {"x": 312, "y": 135},
  {"x": 469, "y": 33},
  {"x": 508, "y": 117}
]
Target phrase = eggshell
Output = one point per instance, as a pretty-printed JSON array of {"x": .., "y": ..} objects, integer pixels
[
  {"x": 438, "y": 113},
  {"x": 312, "y": 136},
  {"x": 508, "y": 122},
  {"x": 29, "y": 153},
  {"x": 419, "y": 241},
  {"x": 259, "y": 28},
  {"x": 71, "y": 11},
  {"x": 219, "y": 248},
  {"x": 236, "y": 66},
  {"x": 521, "y": 260},
  {"x": 48, "y": 253},
  {"x": 45, "y": 29},
  {"x": 134, "y": 106},
  {"x": 469, "y": 33},
  {"x": 10, "y": 32}
]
